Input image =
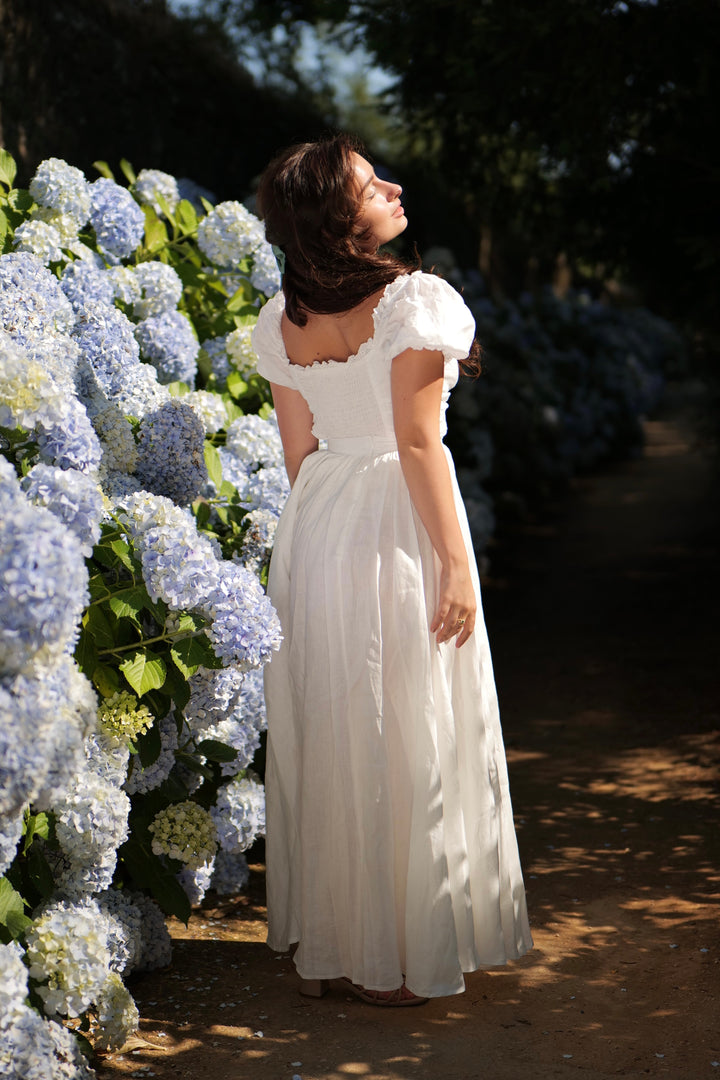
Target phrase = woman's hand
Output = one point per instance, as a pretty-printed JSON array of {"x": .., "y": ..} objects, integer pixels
[{"x": 456, "y": 607}]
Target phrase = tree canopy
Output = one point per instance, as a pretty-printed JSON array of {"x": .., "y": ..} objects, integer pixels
[{"x": 576, "y": 126}]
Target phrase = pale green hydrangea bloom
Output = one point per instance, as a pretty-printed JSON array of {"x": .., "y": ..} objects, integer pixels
[
  {"x": 124, "y": 717},
  {"x": 186, "y": 832}
]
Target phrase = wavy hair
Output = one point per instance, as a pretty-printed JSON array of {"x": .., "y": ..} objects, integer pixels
[{"x": 310, "y": 203}]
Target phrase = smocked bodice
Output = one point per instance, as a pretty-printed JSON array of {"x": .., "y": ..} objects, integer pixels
[{"x": 352, "y": 398}]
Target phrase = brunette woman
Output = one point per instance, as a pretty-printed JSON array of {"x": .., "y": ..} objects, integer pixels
[{"x": 391, "y": 853}]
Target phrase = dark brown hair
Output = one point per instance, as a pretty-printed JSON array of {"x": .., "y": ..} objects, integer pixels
[{"x": 309, "y": 200}]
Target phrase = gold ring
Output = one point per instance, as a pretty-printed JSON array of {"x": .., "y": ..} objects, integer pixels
[{"x": 461, "y": 622}]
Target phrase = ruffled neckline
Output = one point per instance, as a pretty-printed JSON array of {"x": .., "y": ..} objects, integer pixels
[{"x": 278, "y": 301}]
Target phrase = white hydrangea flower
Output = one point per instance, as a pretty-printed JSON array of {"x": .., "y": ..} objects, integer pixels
[
  {"x": 40, "y": 239},
  {"x": 116, "y": 1014},
  {"x": 69, "y": 957},
  {"x": 209, "y": 407},
  {"x": 126, "y": 286},
  {"x": 65, "y": 224},
  {"x": 185, "y": 831},
  {"x": 240, "y": 349},
  {"x": 153, "y": 182},
  {"x": 229, "y": 233},
  {"x": 11, "y": 827},
  {"x": 13, "y": 984},
  {"x": 62, "y": 187},
  {"x": 160, "y": 289}
]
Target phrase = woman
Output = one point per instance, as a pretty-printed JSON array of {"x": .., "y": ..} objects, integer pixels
[{"x": 391, "y": 853}]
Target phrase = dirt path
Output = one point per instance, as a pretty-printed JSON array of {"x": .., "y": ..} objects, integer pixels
[{"x": 605, "y": 636}]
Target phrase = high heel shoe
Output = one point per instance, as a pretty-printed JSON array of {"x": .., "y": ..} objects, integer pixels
[{"x": 315, "y": 988}]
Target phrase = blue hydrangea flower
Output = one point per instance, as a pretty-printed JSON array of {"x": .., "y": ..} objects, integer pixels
[
  {"x": 171, "y": 458},
  {"x": 152, "y": 776},
  {"x": 74, "y": 498},
  {"x": 196, "y": 882},
  {"x": 231, "y": 873},
  {"x": 265, "y": 275},
  {"x": 84, "y": 284},
  {"x": 40, "y": 239},
  {"x": 260, "y": 528},
  {"x": 245, "y": 629},
  {"x": 43, "y": 585},
  {"x": 229, "y": 233},
  {"x": 31, "y": 300},
  {"x": 195, "y": 193},
  {"x": 228, "y": 705},
  {"x": 36, "y": 1049},
  {"x": 107, "y": 341},
  {"x": 156, "y": 948},
  {"x": 59, "y": 186},
  {"x": 168, "y": 342},
  {"x": 153, "y": 182},
  {"x": 161, "y": 289},
  {"x": 239, "y": 814},
  {"x": 219, "y": 359},
  {"x": 266, "y": 489},
  {"x": 117, "y": 219},
  {"x": 125, "y": 920}
]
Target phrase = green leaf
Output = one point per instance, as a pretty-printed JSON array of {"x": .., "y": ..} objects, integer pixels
[
  {"x": 178, "y": 389},
  {"x": 186, "y": 216},
  {"x": 86, "y": 654},
  {"x": 216, "y": 751},
  {"x": 191, "y": 653},
  {"x": 8, "y": 168},
  {"x": 238, "y": 302},
  {"x": 149, "y": 747},
  {"x": 236, "y": 384},
  {"x": 144, "y": 672},
  {"x": 156, "y": 235},
  {"x": 4, "y": 226},
  {"x": 214, "y": 465},
  {"x": 12, "y": 910},
  {"x": 129, "y": 603},
  {"x": 104, "y": 169},
  {"x": 40, "y": 872},
  {"x": 122, "y": 549},
  {"x": 127, "y": 171},
  {"x": 98, "y": 626},
  {"x": 206, "y": 204},
  {"x": 106, "y": 679},
  {"x": 20, "y": 200},
  {"x": 35, "y": 825},
  {"x": 148, "y": 872}
]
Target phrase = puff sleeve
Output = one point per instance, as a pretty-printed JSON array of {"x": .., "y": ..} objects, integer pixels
[
  {"x": 425, "y": 312},
  {"x": 267, "y": 341}
]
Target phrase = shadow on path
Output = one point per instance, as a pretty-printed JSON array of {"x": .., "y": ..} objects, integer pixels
[{"x": 605, "y": 638}]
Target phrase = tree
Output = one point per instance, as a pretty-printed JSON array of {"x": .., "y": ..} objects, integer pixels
[{"x": 576, "y": 126}]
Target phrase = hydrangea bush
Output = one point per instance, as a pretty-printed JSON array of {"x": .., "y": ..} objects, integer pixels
[
  {"x": 567, "y": 383},
  {"x": 140, "y": 488}
]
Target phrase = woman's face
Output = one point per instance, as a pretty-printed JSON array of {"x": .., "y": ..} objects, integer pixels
[{"x": 381, "y": 213}]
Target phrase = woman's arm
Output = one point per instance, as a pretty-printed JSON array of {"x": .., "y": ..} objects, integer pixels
[
  {"x": 295, "y": 422},
  {"x": 417, "y": 385}
]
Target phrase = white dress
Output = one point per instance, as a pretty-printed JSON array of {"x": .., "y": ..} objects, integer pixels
[{"x": 391, "y": 849}]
